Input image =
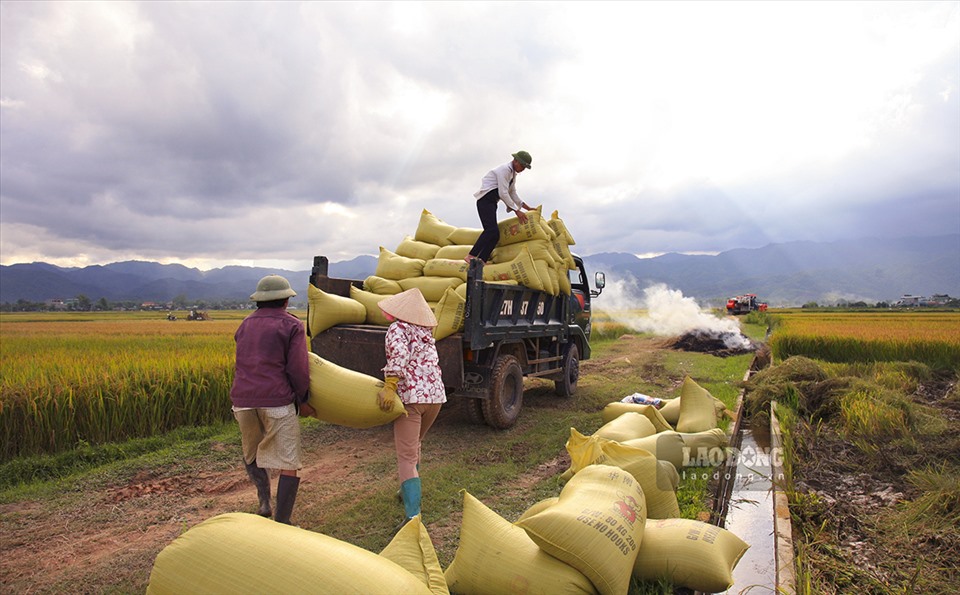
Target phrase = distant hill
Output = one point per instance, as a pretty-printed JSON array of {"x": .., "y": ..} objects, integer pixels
[
  {"x": 782, "y": 274},
  {"x": 795, "y": 273}
]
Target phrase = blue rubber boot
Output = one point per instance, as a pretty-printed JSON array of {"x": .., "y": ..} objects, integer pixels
[{"x": 411, "y": 497}]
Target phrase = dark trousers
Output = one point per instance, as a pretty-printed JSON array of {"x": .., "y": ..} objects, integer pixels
[{"x": 487, "y": 209}]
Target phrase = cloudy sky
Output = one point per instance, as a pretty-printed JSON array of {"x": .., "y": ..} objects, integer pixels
[{"x": 265, "y": 133}]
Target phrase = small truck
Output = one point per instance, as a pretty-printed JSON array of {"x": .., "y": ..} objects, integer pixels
[{"x": 509, "y": 332}]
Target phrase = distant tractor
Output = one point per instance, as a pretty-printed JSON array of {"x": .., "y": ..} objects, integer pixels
[
  {"x": 742, "y": 304},
  {"x": 197, "y": 315}
]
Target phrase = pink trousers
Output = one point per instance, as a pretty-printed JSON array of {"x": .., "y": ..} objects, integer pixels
[{"x": 408, "y": 433}]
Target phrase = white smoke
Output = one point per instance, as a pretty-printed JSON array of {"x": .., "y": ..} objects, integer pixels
[{"x": 668, "y": 313}]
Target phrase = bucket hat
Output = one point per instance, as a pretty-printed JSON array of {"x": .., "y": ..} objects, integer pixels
[
  {"x": 272, "y": 287},
  {"x": 524, "y": 158},
  {"x": 409, "y": 306}
]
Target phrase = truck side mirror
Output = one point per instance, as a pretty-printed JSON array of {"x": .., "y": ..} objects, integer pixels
[{"x": 600, "y": 280}]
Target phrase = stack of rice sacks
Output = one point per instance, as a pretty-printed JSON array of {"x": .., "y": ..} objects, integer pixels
[
  {"x": 617, "y": 517},
  {"x": 535, "y": 254}
]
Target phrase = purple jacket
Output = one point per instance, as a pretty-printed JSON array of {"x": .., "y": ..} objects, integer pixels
[{"x": 271, "y": 367}]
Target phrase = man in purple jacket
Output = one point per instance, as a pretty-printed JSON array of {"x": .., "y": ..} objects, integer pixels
[{"x": 270, "y": 387}]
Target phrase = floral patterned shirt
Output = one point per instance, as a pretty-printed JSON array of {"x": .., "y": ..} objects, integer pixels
[{"x": 412, "y": 357}]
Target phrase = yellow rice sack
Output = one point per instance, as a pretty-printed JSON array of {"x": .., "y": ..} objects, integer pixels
[
  {"x": 391, "y": 265},
  {"x": 246, "y": 553},
  {"x": 443, "y": 267},
  {"x": 455, "y": 252},
  {"x": 697, "y": 410},
  {"x": 432, "y": 230},
  {"x": 347, "y": 398},
  {"x": 450, "y": 312},
  {"x": 556, "y": 224},
  {"x": 461, "y": 290},
  {"x": 512, "y": 231},
  {"x": 464, "y": 235},
  {"x": 596, "y": 526},
  {"x": 704, "y": 449},
  {"x": 563, "y": 281},
  {"x": 563, "y": 251},
  {"x": 628, "y": 426},
  {"x": 671, "y": 409},
  {"x": 432, "y": 288},
  {"x": 539, "y": 250},
  {"x": 370, "y": 301},
  {"x": 412, "y": 248},
  {"x": 327, "y": 310},
  {"x": 615, "y": 409},
  {"x": 689, "y": 554},
  {"x": 661, "y": 498},
  {"x": 667, "y": 475},
  {"x": 666, "y": 446},
  {"x": 521, "y": 269},
  {"x": 495, "y": 557},
  {"x": 381, "y": 286},
  {"x": 548, "y": 275},
  {"x": 412, "y": 550}
]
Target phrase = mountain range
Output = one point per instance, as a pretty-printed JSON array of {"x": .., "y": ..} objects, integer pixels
[{"x": 787, "y": 274}]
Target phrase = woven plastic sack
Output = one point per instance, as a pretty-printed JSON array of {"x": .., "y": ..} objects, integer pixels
[
  {"x": 666, "y": 446},
  {"x": 443, "y": 267},
  {"x": 512, "y": 231},
  {"x": 615, "y": 409},
  {"x": 464, "y": 236},
  {"x": 412, "y": 550},
  {"x": 497, "y": 558},
  {"x": 521, "y": 269},
  {"x": 557, "y": 225},
  {"x": 548, "y": 276},
  {"x": 327, "y": 310},
  {"x": 454, "y": 252},
  {"x": 697, "y": 410},
  {"x": 628, "y": 426},
  {"x": 704, "y": 449},
  {"x": 381, "y": 286},
  {"x": 671, "y": 409},
  {"x": 661, "y": 498},
  {"x": 689, "y": 554},
  {"x": 391, "y": 265},
  {"x": 347, "y": 398},
  {"x": 450, "y": 312},
  {"x": 539, "y": 250},
  {"x": 246, "y": 553},
  {"x": 432, "y": 230},
  {"x": 596, "y": 526},
  {"x": 564, "y": 281},
  {"x": 370, "y": 301},
  {"x": 432, "y": 288},
  {"x": 412, "y": 248}
]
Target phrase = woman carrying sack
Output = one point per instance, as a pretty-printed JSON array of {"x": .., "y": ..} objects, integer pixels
[{"x": 413, "y": 375}]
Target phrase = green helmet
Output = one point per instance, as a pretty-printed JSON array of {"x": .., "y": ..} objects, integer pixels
[
  {"x": 524, "y": 158},
  {"x": 272, "y": 287}
]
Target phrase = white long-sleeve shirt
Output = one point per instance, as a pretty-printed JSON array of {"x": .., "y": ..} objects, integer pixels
[{"x": 504, "y": 180}]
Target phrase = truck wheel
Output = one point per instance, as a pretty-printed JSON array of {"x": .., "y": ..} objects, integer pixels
[
  {"x": 571, "y": 372},
  {"x": 502, "y": 408},
  {"x": 473, "y": 409}
]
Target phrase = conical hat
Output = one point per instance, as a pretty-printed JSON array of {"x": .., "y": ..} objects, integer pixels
[{"x": 409, "y": 306}]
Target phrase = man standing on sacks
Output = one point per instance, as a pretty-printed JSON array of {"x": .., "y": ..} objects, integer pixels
[
  {"x": 500, "y": 183},
  {"x": 413, "y": 375}
]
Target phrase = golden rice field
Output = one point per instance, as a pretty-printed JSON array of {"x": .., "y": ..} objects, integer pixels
[
  {"x": 932, "y": 338},
  {"x": 70, "y": 378}
]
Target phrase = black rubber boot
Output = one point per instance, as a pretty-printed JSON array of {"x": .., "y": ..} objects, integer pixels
[
  {"x": 286, "y": 497},
  {"x": 260, "y": 479}
]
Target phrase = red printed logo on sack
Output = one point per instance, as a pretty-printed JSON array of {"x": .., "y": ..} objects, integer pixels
[{"x": 627, "y": 507}]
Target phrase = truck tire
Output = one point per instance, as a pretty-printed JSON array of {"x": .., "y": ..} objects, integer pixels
[
  {"x": 571, "y": 372},
  {"x": 502, "y": 408}
]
